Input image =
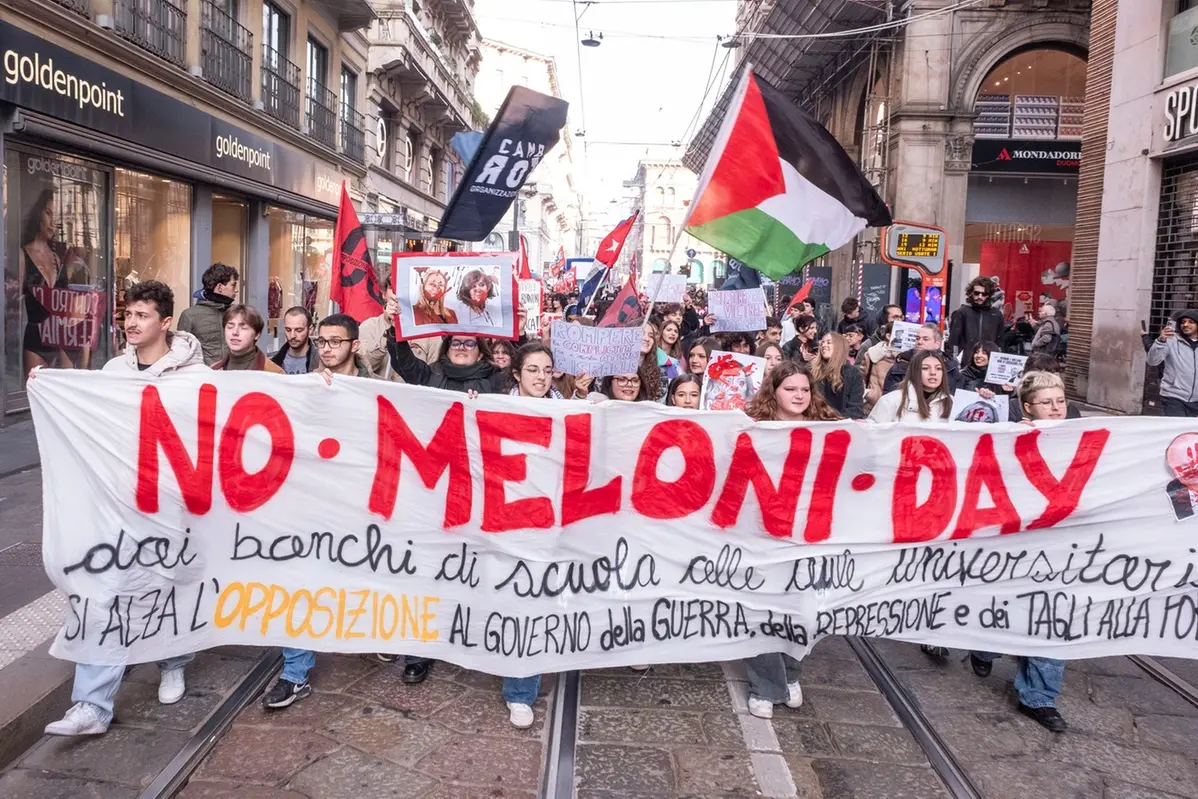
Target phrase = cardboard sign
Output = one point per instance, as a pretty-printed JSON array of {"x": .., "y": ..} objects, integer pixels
[
  {"x": 903, "y": 336},
  {"x": 1005, "y": 369},
  {"x": 738, "y": 310},
  {"x": 596, "y": 351},
  {"x": 969, "y": 406},
  {"x": 455, "y": 293},
  {"x": 731, "y": 380},
  {"x": 531, "y": 294},
  {"x": 664, "y": 288},
  {"x": 519, "y": 536}
]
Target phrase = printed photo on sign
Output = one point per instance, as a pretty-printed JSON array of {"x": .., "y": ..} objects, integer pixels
[
  {"x": 1005, "y": 369},
  {"x": 663, "y": 288},
  {"x": 731, "y": 380},
  {"x": 462, "y": 293},
  {"x": 969, "y": 406},
  {"x": 1182, "y": 458},
  {"x": 903, "y": 335},
  {"x": 596, "y": 351},
  {"x": 737, "y": 311}
]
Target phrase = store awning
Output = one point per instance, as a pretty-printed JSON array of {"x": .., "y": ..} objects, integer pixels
[{"x": 804, "y": 69}]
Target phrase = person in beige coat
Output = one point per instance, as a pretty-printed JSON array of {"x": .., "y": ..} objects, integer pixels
[
  {"x": 373, "y": 335},
  {"x": 875, "y": 363}
]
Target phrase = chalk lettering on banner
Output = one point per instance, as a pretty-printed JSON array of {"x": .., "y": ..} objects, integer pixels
[
  {"x": 521, "y": 537},
  {"x": 737, "y": 310},
  {"x": 1005, "y": 368},
  {"x": 596, "y": 351}
]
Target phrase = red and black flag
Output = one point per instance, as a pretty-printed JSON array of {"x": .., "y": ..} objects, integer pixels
[
  {"x": 625, "y": 310},
  {"x": 355, "y": 287}
]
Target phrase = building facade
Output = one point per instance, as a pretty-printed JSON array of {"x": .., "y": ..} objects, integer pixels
[
  {"x": 423, "y": 60},
  {"x": 549, "y": 209},
  {"x": 663, "y": 190},
  {"x": 147, "y": 140}
]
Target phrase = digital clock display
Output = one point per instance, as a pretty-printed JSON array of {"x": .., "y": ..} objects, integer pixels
[{"x": 917, "y": 245}]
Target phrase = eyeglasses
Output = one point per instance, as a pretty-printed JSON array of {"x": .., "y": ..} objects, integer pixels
[
  {"x": 537, "y": 370},
  {"x": 331, "y": 343},
  {"x": 1050, "y": 403},
  {"x": 627, "y": 381},
  {"x": 459, "y": 344}
]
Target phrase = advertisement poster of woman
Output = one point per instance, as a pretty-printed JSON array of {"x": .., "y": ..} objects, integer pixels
[{"x": 463, "y": 293}]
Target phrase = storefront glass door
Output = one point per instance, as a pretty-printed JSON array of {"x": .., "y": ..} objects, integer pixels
[{"x": 230, "y": 233}]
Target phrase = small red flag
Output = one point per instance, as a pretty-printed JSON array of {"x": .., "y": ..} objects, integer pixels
[
  {"x": 559, "y": 263},
  {"x": 523, "y": 271},
  {"x": 625, "y": 310},
  {"x": 800, "y": 295},
  {"x": 354, "y": 285},
  {"x": 613, "y": 243}
]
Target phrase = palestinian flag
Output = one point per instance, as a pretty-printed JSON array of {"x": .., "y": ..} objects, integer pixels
[{"x": 778, "y": 191}]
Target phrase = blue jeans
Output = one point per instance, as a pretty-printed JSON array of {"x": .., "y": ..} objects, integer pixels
[
  {"x": 97, "y": 685},
  {"x": 521, "y": 690},
  {"x": 1038, "y": 680},
  {"x": 769, "y": 674},
  {"x": 296, "y": 664}
]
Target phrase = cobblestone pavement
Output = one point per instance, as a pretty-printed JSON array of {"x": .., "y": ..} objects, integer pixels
[
  {"x": 364, "y": 733},
  {"x": 22, "y": 578}
]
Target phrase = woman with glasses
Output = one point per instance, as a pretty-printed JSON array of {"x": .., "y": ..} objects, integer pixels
[
  {"x": 463, "y": 365},
  {"x": 630, "y": 388},
  {"x": 1040, "y": 362}
]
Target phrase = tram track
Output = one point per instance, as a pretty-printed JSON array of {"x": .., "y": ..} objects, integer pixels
[{"x": 1162, "y": 674}]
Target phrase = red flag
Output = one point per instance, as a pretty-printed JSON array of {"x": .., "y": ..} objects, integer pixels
[
  {"x": 625, "y": 310},
  {"x": 523, "y": 271},
  {"x": 559, "y": 263},
  {"x": 800, "y": 295},
  {"x": 609, "y": 249},
  {"x": 354, "y": 285}
]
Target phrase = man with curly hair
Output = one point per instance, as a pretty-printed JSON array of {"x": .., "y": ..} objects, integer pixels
[{"x": 975, "y": 322}]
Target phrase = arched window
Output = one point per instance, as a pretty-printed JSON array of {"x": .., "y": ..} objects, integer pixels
[
  {"x": 667, "y": 231},
  {"x": 660, "y": 194},
  {"x": 671, "y": 199}
]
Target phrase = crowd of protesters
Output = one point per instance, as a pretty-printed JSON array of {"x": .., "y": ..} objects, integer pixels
[{"x": 851, "y": 371}]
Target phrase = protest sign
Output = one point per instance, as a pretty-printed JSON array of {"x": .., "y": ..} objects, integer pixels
[
  {"x": 530, "y": 303},
  {"x": 665, "y": 288},
  {"x": 902, "y": 336},
  {"x": 1005, "y": 369},
  {"x": 970, "y": 406},
  {"x": 730, "y": 381},
  {"x": 596, "y": 351},
  {"x": 741, "y": 309},
  {"x": 74, "y": 316},
  {"x": 463, "y": 293},
  {"x": 522, "y": 537}
]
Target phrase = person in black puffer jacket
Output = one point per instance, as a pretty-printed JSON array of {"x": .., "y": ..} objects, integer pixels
[{"x": 463, "y": 365}]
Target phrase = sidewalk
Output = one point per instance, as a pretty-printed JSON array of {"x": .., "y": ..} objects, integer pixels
[{"x": 18, "y": 448}]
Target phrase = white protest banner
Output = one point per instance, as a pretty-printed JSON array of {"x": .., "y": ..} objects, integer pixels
[
  {"x": 902, "y": 336},
  {"x": 730, "y": 381},
  {"x": 520, "y": 536},
  {"x": 970, "y": 406},
  {"x": 666, "y": 288},
  {"x": 737, "y": 310},
  {"x": 596, "y": 351},
  {"x": 530, "y": 303},
  {"x": 468, "y": 293},
  {"x": 1005, "y": 369}
]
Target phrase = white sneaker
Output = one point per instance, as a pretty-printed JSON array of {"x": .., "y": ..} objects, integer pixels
[
  {"x": 794, "y": 695},
  {"x": 639, "y": 668},
  {"x": 761, "y": 708},
  {"x": 520, "y": 715},
  {"x": 171, "y": 686},
  {"x": 82, "y": 719}
]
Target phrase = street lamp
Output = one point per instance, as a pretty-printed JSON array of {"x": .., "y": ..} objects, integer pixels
[{"x": 591, "y": 41}]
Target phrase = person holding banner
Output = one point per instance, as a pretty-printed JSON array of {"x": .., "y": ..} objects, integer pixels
[
  {"x": 928, "y": 337},
  {"x": 532, "y": 373},
  {"x": 698, "y": 353},
  {"x": 923, "y": 394},
  {"x": 684, "y": 392},
  {"x": 1039, "y": 362},
  {"x": 153, "y": 351},
  {"x": 243, "y": 328},
  {"x": 771, "y": 351},
  {"x": 1038, "y": 680},
  {"x": 974, "y": 373},
  {"x": 628, "y": 388},
  {"x": 836, "y": 379},
  {"x": 298, "y": 356}
]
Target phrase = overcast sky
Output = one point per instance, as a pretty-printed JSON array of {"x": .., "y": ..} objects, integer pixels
[{"x": 634, "y": 88}]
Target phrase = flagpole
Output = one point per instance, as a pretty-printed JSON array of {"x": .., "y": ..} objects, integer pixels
[{"x": 608, "y": 271}]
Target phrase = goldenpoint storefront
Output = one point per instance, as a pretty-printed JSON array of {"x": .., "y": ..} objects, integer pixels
[{"x": 108, "y": 181}]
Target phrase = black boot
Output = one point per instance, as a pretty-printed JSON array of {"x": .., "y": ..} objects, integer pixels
[
  {"x": 982, "y": 668},
  {"x": 1046, "y": 717},
  {"x": 416, "y": 672}
]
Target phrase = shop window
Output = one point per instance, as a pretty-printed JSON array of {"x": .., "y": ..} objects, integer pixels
[
  {"x": 230, "y": 233},
  {"x": 1035, "y": 94},
  {"x": 1181, "y": 52},
  {"x": 151, "y": 237},
  {"x": 300, "y": 262},
  {"x": 434, "y": 179},
  {"x": 56, "y": 273}
]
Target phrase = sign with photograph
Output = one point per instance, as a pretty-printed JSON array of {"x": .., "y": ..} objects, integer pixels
[
  {"x": 902, "y": 336},
  {"x": 731, "y": 380},
  {"x": 1005, "y": 369},
  {"x": 595, "y": 351},
  {"x": 969, "y": 406},
  {"x": 455, "y": 293},
  {"x": 738, "y": 310}
]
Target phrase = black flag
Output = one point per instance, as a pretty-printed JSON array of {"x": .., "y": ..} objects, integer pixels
[{"x": 527, "y": 126}]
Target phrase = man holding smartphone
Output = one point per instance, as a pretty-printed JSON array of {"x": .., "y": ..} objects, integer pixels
[{"x": 1177, "y": 350}]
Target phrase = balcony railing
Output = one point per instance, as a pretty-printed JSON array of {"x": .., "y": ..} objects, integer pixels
[
  {"x": 280, "y": 87},
  {"x": 78, "y": 6},
  {"x": 225, "y": 48},
  {"x": 353, "y": 133},
  {"x": 155, "y": 25},
  {"x": 322, "y": 118}
]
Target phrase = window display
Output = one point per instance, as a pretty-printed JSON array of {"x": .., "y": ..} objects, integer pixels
[
  {"x": 301, "y": 257},
  {"x": 55, "y": 270}
]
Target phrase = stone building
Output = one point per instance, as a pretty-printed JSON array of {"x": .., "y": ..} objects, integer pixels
[{"x": 663, "y": 190}]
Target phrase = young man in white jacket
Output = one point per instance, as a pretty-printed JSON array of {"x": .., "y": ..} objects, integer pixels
[{"x": 153, "y": 350}]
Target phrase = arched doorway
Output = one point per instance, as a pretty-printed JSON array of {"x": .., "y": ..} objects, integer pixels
[{"x": 1022, "y": 197}]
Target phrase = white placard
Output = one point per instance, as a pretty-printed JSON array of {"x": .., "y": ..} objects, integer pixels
[
  {"x": 455, "y": 293},
  {"x": 731, "y": 380},
  {"x": 970, "y": 406},
  {"x": 666, "y": 288},
  {"x": 736, "y": 311},
  {"x": 1005, "y": 369},
  {"x": 596, "y": 351},
  {"x": 903, "y": 336}
]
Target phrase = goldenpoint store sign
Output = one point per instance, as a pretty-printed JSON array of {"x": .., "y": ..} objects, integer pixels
[{"x": 33, "y": 70}]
